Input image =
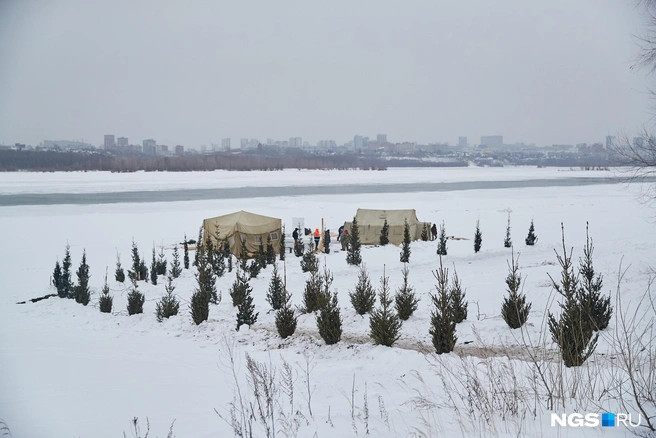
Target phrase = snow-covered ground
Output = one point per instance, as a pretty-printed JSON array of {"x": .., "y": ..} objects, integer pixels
[{"x": 68, "y": 370}]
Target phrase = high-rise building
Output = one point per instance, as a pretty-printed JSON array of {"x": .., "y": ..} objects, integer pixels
[
  {"x": 295, "y": 142},
  {"x": 462, "y": 142},
  {"x": 492, "y": 141},
  {"x": 122, "y": 142},
  {"x": 243, "y": 143},
  {"x": 610, "y": 139},
  {"x": 225, "y": 144},
  {"x": 109, "y": 142},
  {"x": 357, "y": 142},
  {"x": 149, "y": 146},
  {"x": 381, "y": 138},
  {"x": 179, "y": 150}
]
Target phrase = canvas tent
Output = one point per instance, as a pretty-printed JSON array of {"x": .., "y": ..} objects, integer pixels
[
  {"x": 370, "y": 224},
  {"x": 244, "y": 230}
]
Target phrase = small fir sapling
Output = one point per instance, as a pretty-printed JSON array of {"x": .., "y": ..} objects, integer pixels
[
  {"x": 185, "y": 247},
  {"x": 282, "y": 248},
  {"x": 176, "y": 269},
  {"x": 135, "y": 298},
  {"x": 82, "y": 291},
  {"x": 270, "y": 251},
  {"x": 276, "y": 289},
  {"x": 425, "y": 236},
  {"x": 363, "y": 297},
  {"x": 246, "y": 314},
  {"x": 353, "y": 256},
  {"x": 507, "y": 242},
  {"x": 515, "y": 309},
  {"x": 169, "y": 305},
  {"x": 309, "y": 262},
  {"x": 384, "y": 323},
  {"x": 595, "y": 305},
  {"x": 406, "y": 301},
  {"x": 384, "y": 234},
  {"x": 106, "y": 301},
  {"x": 238, "y": 289},
  {"x": 65, "y": 281},
  {"x": 329, "y": 321},
  {"x": 405, "y": 246},
  {"x": 457, "y": 299},
  {"x": 57, "y": 275},
  {"x": 441, "y": 245},
  {"x": 161, "y": 262},
  {"x": 286, "y": 318},
  {"x": 478, "y": 238},
  {"x": 119, "y": 273},
  {"x": 153, "y": 269},
  {"x": 443, "y": 326},
  {"x": 531, "y": 238}
]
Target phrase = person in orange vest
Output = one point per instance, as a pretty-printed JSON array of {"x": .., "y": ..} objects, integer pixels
[{"x": 317, "y": 238}]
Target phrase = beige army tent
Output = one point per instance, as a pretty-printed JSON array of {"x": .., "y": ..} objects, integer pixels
[
  {"x": 244, "y": 230},
  {"x": 370, "y": 224}
]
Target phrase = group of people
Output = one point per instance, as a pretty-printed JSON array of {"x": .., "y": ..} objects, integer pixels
[{"x": 342, "y": 236}]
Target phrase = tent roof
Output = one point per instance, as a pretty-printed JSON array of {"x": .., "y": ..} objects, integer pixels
[
  {"x": 394, "y": 217},
  {"x": 245, "y": 218}
]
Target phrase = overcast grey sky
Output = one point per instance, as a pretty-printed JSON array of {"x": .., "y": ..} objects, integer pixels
[{"x": 192, "y": 72}]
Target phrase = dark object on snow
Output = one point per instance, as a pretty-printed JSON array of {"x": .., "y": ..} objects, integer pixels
[
  {"x": 434, "y": 231},
  {"x": 339, "y": 232},
  {"x": 295, "y": 234},
  {"x": 34, "y": 300}
]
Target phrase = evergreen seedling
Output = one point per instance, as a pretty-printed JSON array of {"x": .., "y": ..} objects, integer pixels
[
  {"x": 119, "y": 273},
  {"x": 406, "y": 302},
  {"x": 199, "y": 245},
  {"x": 106, "y": 301},
  {"x": 531, "y": 238},
  {"x": 353, "y": 256},
  {"x": 200, "y": 306},
  {"x": 153, "y": 269},
  {"x": 596, "y": 306},
  {"x": 384, "y": 234},
  {"x": 65, "y": 281},
  {"x": 143, "y": 269},
  {"x": 478, "y": 238},
  {"x": 82, "y": 292},
  {"x": 57, "y": 276},
  {"x": 185, "y": 247},
  {"x": 261, "y": 255},
  {"x": 161, "y": 262},
  {"x": 282, "y": 248},
  {"x": 227, "y": 254},
  {"x": 246, "y": 309},
  {"x": 514, "y": 309},
  {"x": 286, "y": 318},
  {"x": 329, "y": 322},
  {"x": 441, "y": 245},
  {"x": 507, "y": 242},
  {"x": 136, "y": 262},
  {"x": 312, "y": 298},
  {"x": 169, "y": 305},
  {"x": 276, "y": 289},
  {"x": 384, "y": 324},
  {"x": 425, "y": 233},
  {"x": 270, "y": 252},
  {"x": 238, "y": 289},
  {"x": 254, "y": 268},
  {"x": 405, "y": 246},
  {"x": 135, "y": 299},
  {"x": 309, "y": 262},
  {"x": 572, "y": 330},
  {"x": 363, "y": 297},
  {"x": 457, "y": 298},
  {"x": 443, "y": 326},
  {"x": 176, "y": 269}
]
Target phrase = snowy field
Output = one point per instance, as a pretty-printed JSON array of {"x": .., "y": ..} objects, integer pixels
[{"x": 69, "y": 371}]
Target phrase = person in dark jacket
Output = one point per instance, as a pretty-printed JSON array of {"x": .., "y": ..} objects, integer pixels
[
  {"x": 295, "y": 234},
  {"x": 339, "y": 232},
  {"x": 434, "y": 231}
]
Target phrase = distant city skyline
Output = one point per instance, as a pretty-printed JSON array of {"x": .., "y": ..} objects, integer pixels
[{"x": 548, "y": 72}]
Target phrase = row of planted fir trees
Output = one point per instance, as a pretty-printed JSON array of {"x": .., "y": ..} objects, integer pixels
[{"x": 584, "y": 310}]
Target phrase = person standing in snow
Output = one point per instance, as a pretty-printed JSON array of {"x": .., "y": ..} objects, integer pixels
[
  {"x": 295, "y": 235},
  {"x": 434, "y": 231},
  {"x": 317, "y": 238},
  {"x": 340, "y": 231},
  {"x": 345, "y": 240}
]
